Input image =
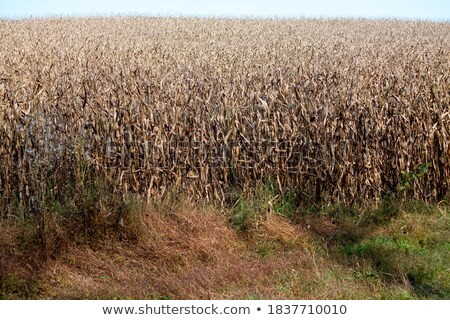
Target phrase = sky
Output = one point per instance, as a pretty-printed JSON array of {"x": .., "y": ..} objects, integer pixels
[{"x": 402, "y": 9}]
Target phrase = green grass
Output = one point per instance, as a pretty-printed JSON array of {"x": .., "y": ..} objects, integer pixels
[
  {"x": 411, "y": 248},
  {"x": 13, "y": 287},
  {"x": 248, "y": 209}
]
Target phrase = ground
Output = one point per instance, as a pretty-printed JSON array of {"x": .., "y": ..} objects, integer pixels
[{"x": 191, "y": 251}]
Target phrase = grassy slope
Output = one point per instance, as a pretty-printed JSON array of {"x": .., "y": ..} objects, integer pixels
[{"x": 264, "y": 248}]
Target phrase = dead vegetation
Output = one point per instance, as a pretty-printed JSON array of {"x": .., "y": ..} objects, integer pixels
[
  {"x": 185, "y": 251},
  {"x": 344, "y": 111},
  {"x": 181, "y": 252}
]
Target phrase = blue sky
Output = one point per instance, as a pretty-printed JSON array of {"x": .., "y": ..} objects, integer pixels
[{"x": 412, "y": 9}]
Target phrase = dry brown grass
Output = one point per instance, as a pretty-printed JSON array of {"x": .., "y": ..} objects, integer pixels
[
  {"x": 275, "y": 228},
  {"x": 184, "y": 253},
  {"x": 194, "y": 254},
  {"x": 20, "y": 260}
]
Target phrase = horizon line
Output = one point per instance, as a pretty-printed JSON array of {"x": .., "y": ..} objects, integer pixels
[{"x": 218, "y": 17}]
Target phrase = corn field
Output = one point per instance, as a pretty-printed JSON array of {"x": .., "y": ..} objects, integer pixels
[{"x": 340, "y": 110}]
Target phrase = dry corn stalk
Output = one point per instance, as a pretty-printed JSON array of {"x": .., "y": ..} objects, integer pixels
[{"x": 336, "y": 109}]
